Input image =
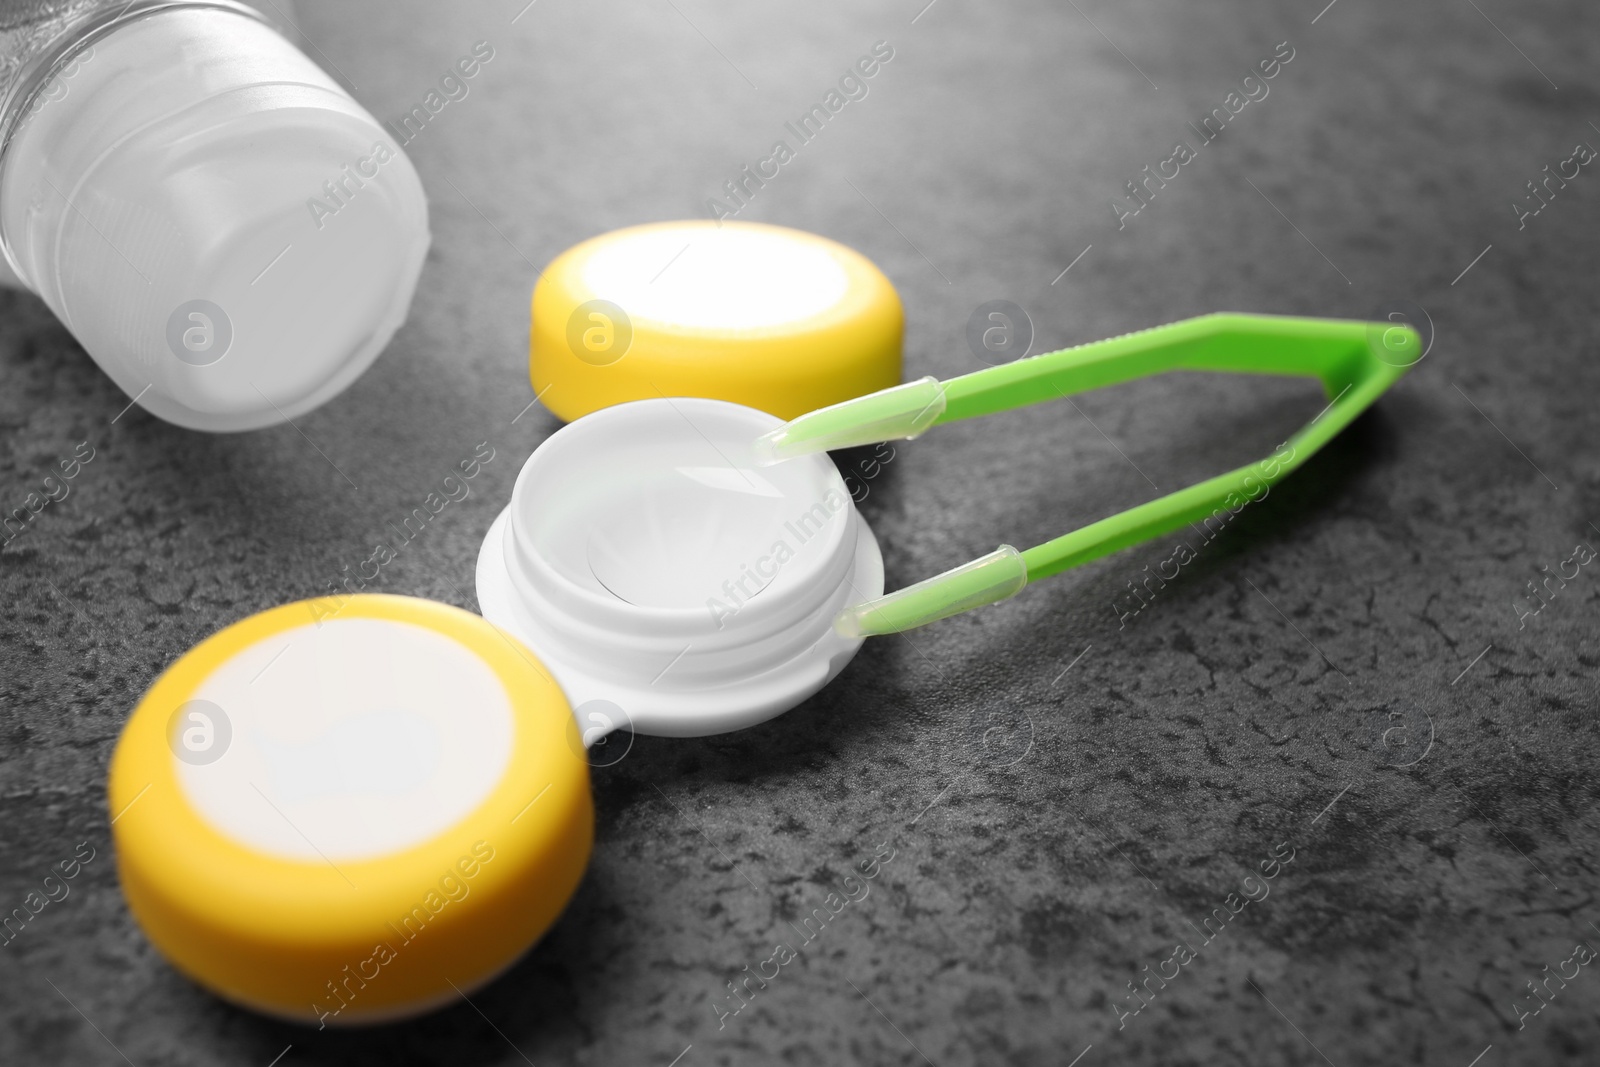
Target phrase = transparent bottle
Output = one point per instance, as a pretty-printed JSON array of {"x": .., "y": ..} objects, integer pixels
[{"x": 229, "y": 235}]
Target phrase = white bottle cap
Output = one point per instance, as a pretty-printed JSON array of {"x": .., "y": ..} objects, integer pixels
[{"x": 229, "y": 235}]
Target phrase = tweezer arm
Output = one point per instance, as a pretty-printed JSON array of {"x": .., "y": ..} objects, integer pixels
[
  {"x": 1331, "y": 350},
  {"x": 1355, "y": 362}
]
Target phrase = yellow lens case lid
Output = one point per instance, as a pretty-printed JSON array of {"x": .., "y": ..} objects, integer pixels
[
  {"x": 773, "y": 318},
  {"x": 345, "y": 811}
]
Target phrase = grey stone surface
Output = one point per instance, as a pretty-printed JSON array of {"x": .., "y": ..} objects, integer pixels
[{"x": 1244, "y": 708}]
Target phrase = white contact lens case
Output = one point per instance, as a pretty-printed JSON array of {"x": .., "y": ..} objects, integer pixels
[{"x": 651, "y": 563}]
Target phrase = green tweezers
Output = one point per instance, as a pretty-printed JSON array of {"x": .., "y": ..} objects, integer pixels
[{"x": 1355, "y": 361}]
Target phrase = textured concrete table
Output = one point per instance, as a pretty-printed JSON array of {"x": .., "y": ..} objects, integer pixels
[{"x": 1353, "y": 674}]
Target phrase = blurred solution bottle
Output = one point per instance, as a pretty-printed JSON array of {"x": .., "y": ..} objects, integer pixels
[{"x": 231, "y": 237}]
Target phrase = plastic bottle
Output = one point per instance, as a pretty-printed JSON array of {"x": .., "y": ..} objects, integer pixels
[{"x": 229, "y": 235}]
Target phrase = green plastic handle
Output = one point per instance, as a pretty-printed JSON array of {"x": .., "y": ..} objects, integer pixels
[{"x": 1355, "y": 361}]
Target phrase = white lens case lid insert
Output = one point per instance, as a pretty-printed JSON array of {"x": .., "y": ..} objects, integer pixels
[{"x": 652, "y": 564}]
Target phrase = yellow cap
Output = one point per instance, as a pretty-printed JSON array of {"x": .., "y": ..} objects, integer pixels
[
  {"x": 769, "y": 317},
  {"x": 350, "y": 810}
]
